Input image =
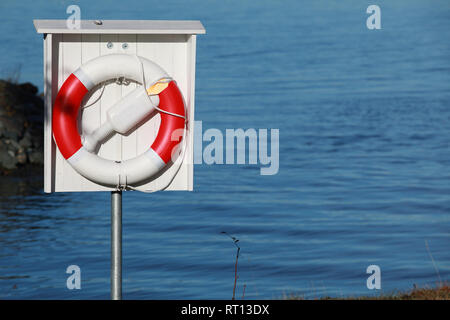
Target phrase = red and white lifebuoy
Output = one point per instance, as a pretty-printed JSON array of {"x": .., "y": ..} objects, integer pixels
[{"x": 80, "y": 153}]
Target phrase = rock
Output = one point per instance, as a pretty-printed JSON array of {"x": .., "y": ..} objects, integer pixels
[
  {"x": 37, "y": 137},
  {"x": 21, "y": 156},
  {"x": 12, "y": 147},
  {"x": 7, "y": 157},
  {"x": 13, "y": 95},
  {"x": 36, "y": 157},
  {"x": 29, "y": 88},
  {"x": 21, "y": 125},
  {"x": 11, "y": 128},
  {"x": 26, "y": 141}
]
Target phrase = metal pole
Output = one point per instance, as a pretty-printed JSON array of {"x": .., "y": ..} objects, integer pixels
[{"x": 116, "y": 245}]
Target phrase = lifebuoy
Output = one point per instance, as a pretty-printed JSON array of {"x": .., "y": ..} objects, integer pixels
[{"x": 81, "y": 153}]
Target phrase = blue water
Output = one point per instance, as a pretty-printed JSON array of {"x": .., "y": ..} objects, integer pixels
[{"x": 364, "y": 119}]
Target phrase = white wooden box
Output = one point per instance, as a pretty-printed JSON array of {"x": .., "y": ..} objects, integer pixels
[{"x": 171, "y": 44}]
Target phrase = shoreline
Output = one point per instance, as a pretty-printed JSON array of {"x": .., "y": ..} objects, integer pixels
[{"x": 439, "y": 292}]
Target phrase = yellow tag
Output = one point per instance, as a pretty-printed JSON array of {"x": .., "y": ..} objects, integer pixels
[{"x": 158, "y": 87}]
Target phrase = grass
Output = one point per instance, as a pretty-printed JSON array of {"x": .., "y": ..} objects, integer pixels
[
  {"x": 440, "y": 292},
  {"x": 235, "y": 241}
]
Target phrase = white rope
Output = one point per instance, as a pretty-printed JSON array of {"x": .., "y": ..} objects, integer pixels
[
  {"x": 119, "y": 81},
  {"x": 96, "y": 100},
  {"x": 167, "y": 112}
]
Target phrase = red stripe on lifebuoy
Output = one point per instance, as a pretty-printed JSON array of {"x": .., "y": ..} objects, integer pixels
[
  {"x": 65, "y": 114},
  {"x": 168, "y": 136}
]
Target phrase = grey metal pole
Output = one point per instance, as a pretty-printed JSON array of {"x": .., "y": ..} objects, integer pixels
[{"x": 116, "y": 245}]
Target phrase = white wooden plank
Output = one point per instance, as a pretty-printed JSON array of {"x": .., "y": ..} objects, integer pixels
[
  {"x": 180, "y": 74},
  {"x": 55, "y": 80},
  {"x": 161, "y": 49},
  {"x": 112, "y": 93},
  {"x": 148, "y": 48},
  {"x": 48, "y": 152},
  {"x": 123, "y": 27},
  {"x": 59, "y": 80},
  {"x": 129, "y": 142},
  {"x": 90, "y": 115},
  {"x": 147, "y": 132},
  {"x": 91, "y": 108},
  {"x": 191, "y": 65},
  {"x": 71, "y": 62}
]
